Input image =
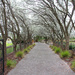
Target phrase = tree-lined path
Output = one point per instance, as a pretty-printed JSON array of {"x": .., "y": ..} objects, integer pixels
[{"x": 41, "y": 60}]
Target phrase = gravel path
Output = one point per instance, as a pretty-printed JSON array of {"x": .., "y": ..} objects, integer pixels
[{"x": 41, "y": 60}]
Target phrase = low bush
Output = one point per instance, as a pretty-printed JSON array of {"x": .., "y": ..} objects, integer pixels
[
  {"x": 19, "y": 54},
  {"x": 73, "y": 65},
  {"x": 65, "y": 54},
  {"x": 11, "y": 63},
  {"x": 58, "y": 50},
  {"x": 51, "y": 46},
  {"x": 33, "y": 44},
  {"x": 54, "y": 48},
  {"x": 28, "y": 47},
  {"x": 26, "y": 50}
]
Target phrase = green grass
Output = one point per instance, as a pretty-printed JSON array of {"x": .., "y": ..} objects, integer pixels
[
  {"x": 10, "y": 50},
  {"x": 8, "y": 44},
  {"x": 71, "y": 42},
  {"x": 72, "y": 39},
  {"x": 18, "y": 47}
]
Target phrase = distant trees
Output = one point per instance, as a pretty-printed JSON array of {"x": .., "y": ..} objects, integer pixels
[{"x": 57, "y": 17}]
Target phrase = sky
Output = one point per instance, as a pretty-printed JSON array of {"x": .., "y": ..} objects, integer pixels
[{"x": 18, "y": 0}]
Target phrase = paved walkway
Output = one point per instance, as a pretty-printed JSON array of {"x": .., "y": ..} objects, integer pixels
[{"x": 41, "y": 60}]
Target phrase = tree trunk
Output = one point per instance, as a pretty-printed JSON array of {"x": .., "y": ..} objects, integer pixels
[
  {"x": 67, "y": 42},
  {"x": 61, "y": 45},
  {"x": 14, "y": 47},
  {"x": 5, "y": 54},
  {"x": 24, "y": 44},
  {"x": 53, "y": 42}
]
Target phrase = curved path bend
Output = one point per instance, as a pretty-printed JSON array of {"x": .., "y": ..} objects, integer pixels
[{"x": 41, "y": 60}]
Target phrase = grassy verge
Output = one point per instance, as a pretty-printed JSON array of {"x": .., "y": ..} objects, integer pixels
[
  {"x": 10, "y": 50},
  {"x": 8, "y": 44}
]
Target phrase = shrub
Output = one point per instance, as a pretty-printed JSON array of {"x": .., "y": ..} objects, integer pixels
[
  {"x": 54, "y": 47},
  {"x": 65, "y": 54},
  {"x": 26, "y": 50},
  {"x": 11, "y": 63},
  {"x": 51, "y": 46},
  {"x": 28, "y": 47},
  {"x": 73, "y": 65},
  {"x": 58, "y": 50},
  {"x": 33, "y": 44},
  {"x": 19, "y": 54}
]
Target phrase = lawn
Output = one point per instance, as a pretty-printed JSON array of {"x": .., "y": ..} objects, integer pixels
[
  {"x": 8, "y": 44},
  {"x": 72, "y": 39},
  {"x": 10, "y": 50}
]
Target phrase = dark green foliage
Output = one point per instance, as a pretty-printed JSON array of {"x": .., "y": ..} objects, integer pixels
[{"x": 71, "y": 46}]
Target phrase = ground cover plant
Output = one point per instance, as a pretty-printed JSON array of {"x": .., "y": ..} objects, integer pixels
[
  {"x": 58, "y": 50},
  {"x": 26, "y": 50},
  {"x": 10, "y": 50},
  {"x": 19, "y": 54},
  {"x": 11, "y": 63},
  {"x": 65, "y": 54},
  {"x": 53, "y": 47}
]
